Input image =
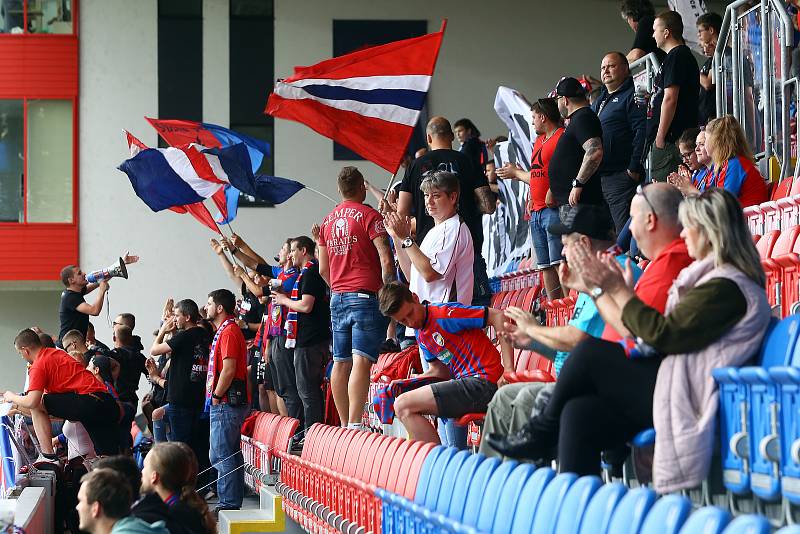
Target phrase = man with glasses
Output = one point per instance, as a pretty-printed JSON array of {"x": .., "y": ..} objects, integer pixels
[
  {"x": 74, "y": 341},
  {"x": 624, "y": 124}
]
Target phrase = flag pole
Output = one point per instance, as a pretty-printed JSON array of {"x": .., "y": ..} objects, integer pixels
[
  {"x": 320, "y": 194},
  {"x": 389, "y": 187}
]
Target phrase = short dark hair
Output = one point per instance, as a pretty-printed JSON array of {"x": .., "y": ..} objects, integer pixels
[
  {"x": 672, "y": 21},
  {"x": 637, "y": 9},
  {"x": 66, "y": 274},
  {"x": 124, "y": 334},
  {"x": 128, "y": 319},
  {"x": 392, "y": 296},
  {"x": 27, "y": 339},
  {"x": 439, "y": 126},
  {"x": 305, "y": 243},
  {"x": 710, "y": 20},
  {"x": 189, "y": 308},
  {"x": 467, "y": 124},
  {"x": 622, "y": 58},
  {"x": 126, "y": 467},
  {"x": 109, "y": 488},
  {"x": 47, "y": 340},
  {"x": 688, "y": 137},
  {"x": 549, "y": 108},
  {"x": 73, "y": 335},
  {"x": 224, "y": 298},
  {"x": 350, "y": 181}
]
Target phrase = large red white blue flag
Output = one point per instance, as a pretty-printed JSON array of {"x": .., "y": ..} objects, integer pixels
[{"x": 368, "y": 101}]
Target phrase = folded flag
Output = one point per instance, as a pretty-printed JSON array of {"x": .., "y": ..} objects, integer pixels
[
  {"x": 368, "y": 101},
  {"x": 384, "y": 399}
]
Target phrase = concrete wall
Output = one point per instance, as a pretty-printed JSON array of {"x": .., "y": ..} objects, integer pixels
[{"x": 524, "y": 44}]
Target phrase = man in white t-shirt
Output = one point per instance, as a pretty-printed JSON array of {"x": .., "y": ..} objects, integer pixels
[{"x": 440, "y": 268}]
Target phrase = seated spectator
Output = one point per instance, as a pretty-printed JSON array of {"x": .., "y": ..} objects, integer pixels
[
  {"x": 59, "y": 386},
  {"x": 734, "y": 166},
  {"x": 691, "y": 173},
  {"x": 168, "y": 484},
  {"x": 104, "y": 506},
  {"x": 596, "y": 423},
  {"x": 452, "y": 340},
  {"x": 511, "y": 406}
]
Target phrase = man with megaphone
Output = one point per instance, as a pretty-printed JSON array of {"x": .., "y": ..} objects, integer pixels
[{"x": 74, "y": 311}]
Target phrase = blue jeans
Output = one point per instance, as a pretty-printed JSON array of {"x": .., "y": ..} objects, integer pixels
[
  {"x": 546, "y": 245},
  {"x": 160, "y": 430},
  {"x": 358, "y": 326},
  {"x": 226, "y": 426},
  {"x": 182, "y": 423}
]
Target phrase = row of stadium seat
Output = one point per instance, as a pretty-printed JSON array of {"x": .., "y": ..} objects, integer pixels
[
  {"x": 781, "y": 211},
  {"x": 468, "y": 493},
  {"x": 270, "y": 433},
  {"x": 331, "y": 488},
  {"x": 780, "y": 258}
]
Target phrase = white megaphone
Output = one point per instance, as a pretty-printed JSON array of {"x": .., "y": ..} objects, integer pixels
[{"x": 115, "y": 270}]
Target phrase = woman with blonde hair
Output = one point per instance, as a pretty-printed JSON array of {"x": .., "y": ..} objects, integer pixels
[
  {"x": 168, "y": 485},
  {"x": 734, "y": 167},
  {"x": 716, "y": 315}
]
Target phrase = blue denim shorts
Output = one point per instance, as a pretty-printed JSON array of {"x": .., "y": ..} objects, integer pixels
[
  {"x": 546, "y": 245},
  {"x": 358, "y": 326}
]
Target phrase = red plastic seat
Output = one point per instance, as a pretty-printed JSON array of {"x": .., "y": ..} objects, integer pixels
[
  {"x": 414, "y": 468},
  {"x": 766, "y": 243},
  {"x": 755, "y": 219},
  {"x": 774, "y": 269},
  {"x": 789, "y": 207},
  {"x": 770, "y": 210}
]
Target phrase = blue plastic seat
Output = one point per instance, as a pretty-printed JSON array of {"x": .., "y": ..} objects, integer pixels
[
  {"x": 426, "y": 472},
  {"x": 791, "y": 529},
  {"x": 632, "y": 510},
  {"x": 496, "y": 514},
  {"x": 448, "y": 483},
  {"x": 549, "y": 507},
  {"x": 788, "y": 380},
  {"x": 487, "y": 506},
  {"x": 477, "y": 489},
  {"x": 748, "y": 524},
  {"x": 667, "y": 515},
  {"x": 529, "y": 499},
  {"x": 439, "y": 471},
  {"x": 466, "y": 473},
  {"x": 597, "y": 516},
  {"x": 735, "y": 404},
  {"x": 708, "y": 520},
  {"x": 575, "y": 503},
  {"x": 510, "y": 498}
]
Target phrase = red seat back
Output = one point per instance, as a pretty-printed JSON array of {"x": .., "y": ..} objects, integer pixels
[
  {"x": 766, "y": 243},
  {"x": 782, "y": 189}
]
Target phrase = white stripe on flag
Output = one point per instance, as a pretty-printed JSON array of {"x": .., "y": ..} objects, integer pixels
[
  {"x": 183, "y": 168},
  {"x": 387, "y": 112},
  {"x": 414, "y": 82}
]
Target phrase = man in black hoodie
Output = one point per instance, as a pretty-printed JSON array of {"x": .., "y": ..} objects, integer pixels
[
  {"x": 624, "y": 135},
  {"x": 128, "y": 353}
]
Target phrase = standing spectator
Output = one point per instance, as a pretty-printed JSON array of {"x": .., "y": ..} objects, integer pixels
[
  {"x": 708, "y": 28},
  {"x": 476, "y": 197},
  {"x": 188, "y": 349},
  {"x": 734, "y": 166},
  {"x": 541, "y": 205},
  {"x": 74, "y": 311},
  {"x": 624, "y": 134},
  {"x": 59, "y": 386},
  {"x": 469, "y": 137},
  {"x": 355, "y": 259},
  {"x": 579, "y": 151},
  {"x": 226, "y": 397},
  {"x": 92, "y": 342},
  {"x": 639, "y": 14},
  {"x": 104, "y": 506},
  {"x": 676, "y": 90},
  {"x": 131, "y": 368},
  {"x": 307, "y": 328}
]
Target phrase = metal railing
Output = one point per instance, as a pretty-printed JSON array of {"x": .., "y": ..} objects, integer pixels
[{"x": 753, "y": 83}]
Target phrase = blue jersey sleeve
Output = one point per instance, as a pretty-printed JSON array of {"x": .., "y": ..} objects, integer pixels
[
  {"x": 276, "y": 271},
  {"x": 454, "y": 317},
  {"x": 733, "y": 176},
  {"x": 428, "y": 355},
  {"x": 288, "y": 284}
]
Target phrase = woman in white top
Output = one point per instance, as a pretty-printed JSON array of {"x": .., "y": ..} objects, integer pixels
[{"x": 440, "y": 268}]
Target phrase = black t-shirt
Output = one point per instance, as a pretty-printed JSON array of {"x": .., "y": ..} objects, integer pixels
[
  {"x": 131, "y": 366},
  {"x": 476, "y": 150},
  {"x": 68, "y": 315},
  {"x": 187, "y": 373},
  {"x": 251, "y": 311},
  {"x": 707, "y": 101},
  {"x": 568, "y": 156},
  {"x": 679, "y": 69},
  {"x": 644, "y": 38},
  {"x": 314, "y": 327},
  {"x": 469, "y": 176}
]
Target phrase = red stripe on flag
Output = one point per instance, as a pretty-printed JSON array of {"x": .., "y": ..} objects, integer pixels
[
  {"x": 199, "y": 211},
  {"x": 179, "y": 132},
  {"x": 203, "y": 169},
  {"x": 382, "y": 142}
]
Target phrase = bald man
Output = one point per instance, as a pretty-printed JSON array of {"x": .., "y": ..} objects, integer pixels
[{"x": 476, "y": 197}]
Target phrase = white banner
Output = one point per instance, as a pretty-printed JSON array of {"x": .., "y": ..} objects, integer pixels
[{"x": 689, "y": 11}]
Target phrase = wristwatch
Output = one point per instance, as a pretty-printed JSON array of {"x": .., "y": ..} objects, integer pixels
[
  {"x": 596, "y": 293},
  {"x": 215, "y": 396},
  {"x": 576, "y": 183},
  {"x": 407, "y": 242}
]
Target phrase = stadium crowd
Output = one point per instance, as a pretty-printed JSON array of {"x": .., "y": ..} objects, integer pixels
[{"x": 639, "y": 346}]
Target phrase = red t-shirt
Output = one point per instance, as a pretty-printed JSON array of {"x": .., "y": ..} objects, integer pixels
[
  {"x": 347, "y": 233},
  {"x": 55, "y": 371},
  {"x": 657, "y": 278},
  {"x": 231, "y": 344},
  {"x": 540, "y": 161}
]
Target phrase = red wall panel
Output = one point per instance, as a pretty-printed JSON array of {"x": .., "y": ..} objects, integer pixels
[
  {"x": 36, "y": 251},
  {"x": 38, "y": 66}
]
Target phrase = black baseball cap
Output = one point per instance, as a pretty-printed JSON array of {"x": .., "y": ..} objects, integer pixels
[
  {"x": 585, "y": 219},
  {"x": 570, "y": 87}
]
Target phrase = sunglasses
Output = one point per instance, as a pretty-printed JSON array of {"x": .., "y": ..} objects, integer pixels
[{"x": 640, "y": 191}]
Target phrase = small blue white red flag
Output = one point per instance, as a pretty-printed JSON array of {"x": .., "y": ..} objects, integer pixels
[{"x": 368, "y": 101}]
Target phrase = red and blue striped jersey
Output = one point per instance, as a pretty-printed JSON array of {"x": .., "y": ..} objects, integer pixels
[
  {"x": 453, "y": 334},
  {"x": 742, "y": 178}
]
